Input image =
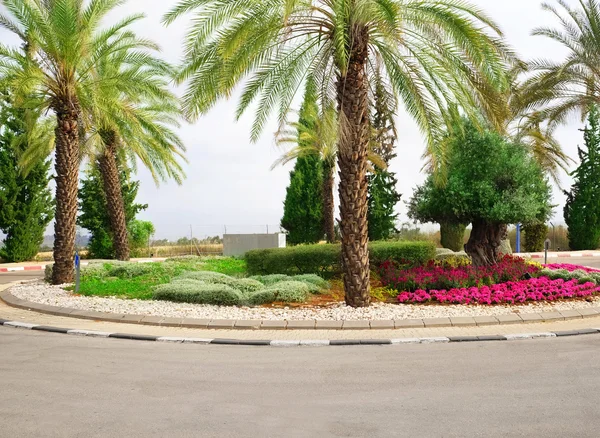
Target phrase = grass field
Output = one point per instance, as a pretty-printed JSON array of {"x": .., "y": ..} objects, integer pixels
[{"x": 137, "y": 280}]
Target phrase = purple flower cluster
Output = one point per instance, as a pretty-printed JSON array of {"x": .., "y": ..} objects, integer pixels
[
  {"x": 569, "y": 267},
  {"x": 433, "y": 276},
  {"x": 534, "y": 289}
]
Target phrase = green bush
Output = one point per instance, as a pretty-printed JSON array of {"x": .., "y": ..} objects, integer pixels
[
  {"x": 285, "y": 291},
  {"x": 129, "y": 270},
  {"x": 311, "y": 279},
  {"x": 324, "y": 260},
  {"x": 247, "y": 285},
  {"x": 268, "y": 280},
  {"x": 209, "y": 277},
  {"x": 198, "y": 292},
  {"x": 534, "y": 236}
]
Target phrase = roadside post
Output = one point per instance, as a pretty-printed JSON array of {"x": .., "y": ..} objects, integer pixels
[
  {"x": 518, "y": 245},
  {"x": 77, "y": 271},
  {"x": 546, "y": 247}
]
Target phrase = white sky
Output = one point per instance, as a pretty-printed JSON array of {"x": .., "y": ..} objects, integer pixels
[{"x": 229, "y": 179}]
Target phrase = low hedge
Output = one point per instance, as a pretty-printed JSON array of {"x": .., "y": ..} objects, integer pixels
[{"x": 324, "y": 260}]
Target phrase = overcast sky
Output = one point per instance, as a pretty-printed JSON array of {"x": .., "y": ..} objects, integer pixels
[{"x": 229, "y": 181}]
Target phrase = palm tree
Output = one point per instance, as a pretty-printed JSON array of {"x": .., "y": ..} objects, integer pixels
[
  {"x": 434, "y": 53},
  {"x": 63, "y": 43},
  {"x": 133, "y": 118},
  {"x": 557, "y": 90}
]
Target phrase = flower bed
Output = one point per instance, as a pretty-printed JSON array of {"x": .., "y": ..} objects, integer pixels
[
  {"x": 534, "y": 289},
  {"x": 439, "y": 276}
]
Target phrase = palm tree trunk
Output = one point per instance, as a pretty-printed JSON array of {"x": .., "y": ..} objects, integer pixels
[
  {"x": 107, "y": 163},
  {"x": 328, "y": 219},
  {"x": 352, "y": 98},
  {"x": 67, "y": 180}
]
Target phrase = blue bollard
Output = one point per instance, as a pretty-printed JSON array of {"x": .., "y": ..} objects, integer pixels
[
  {"x": 518, "y": 249},
  {"x": 77, "y": 271}
]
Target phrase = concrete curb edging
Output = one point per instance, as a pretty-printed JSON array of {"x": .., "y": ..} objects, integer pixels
[
  {"x": 297, "y": 343},
  {"x": 462, "y": 321}
]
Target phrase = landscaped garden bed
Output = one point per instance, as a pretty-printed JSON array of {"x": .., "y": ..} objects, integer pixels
[{"x": 442, "y": 285}]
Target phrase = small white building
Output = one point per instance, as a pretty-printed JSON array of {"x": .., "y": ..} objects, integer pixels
[{"x": 235, "y": 245}]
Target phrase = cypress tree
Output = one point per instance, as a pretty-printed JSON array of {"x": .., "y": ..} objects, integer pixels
[
  {"x": 582, "y": 210},
  {"x": 382, "y": 194},
  {"x": 26, "y": 204},
  {"x": 94, "y": 215},
  {"x": 303, "y": 205}
]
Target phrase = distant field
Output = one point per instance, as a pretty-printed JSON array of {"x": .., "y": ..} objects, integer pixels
[{"x": 157, "y": 251}]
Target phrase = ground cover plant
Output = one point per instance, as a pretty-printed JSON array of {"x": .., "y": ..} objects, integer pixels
[{"x": 135, "y": 280}]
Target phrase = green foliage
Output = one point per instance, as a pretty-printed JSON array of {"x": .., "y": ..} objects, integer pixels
[
  {"x": 582, "y": 210},
  {"x": 286, "y": 292},
  {"x": 489, "y": 179},
  {"x": 312, "y": 279},
  {"x": 534, "y": 236},
  {"x": 94, "y": 213},
  {"x": 26, "y": 204},
  {"x": 302, "y": 208},
  {"x": 303, "y": 205},
  {"x": 452, "y": 235},
  {"x": 324, "y": 260},
  {"x": 198, "y": 292},
  {"x": 382, "y": 200},
  {"x": 382, "y": 196},
  {"x": 140, "y": 233},
  {"x": 271, "y": 279}
]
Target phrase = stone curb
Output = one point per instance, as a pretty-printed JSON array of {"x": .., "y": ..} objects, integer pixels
[
  {"x": 229, "y": 324},
  {"x": 298, "y": 343}
]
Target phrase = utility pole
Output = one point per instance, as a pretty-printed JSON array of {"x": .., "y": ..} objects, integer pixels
[{"x": 191, "y": 240}]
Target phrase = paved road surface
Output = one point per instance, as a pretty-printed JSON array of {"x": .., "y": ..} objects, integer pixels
[
  {"x": 64, "y": 386},
  {"x": 8, "y": 277}
]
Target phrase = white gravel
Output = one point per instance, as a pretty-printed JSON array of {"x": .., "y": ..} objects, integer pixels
[{"x": 56, "y": 296}]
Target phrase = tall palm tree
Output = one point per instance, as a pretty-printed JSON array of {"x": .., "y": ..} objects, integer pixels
[
  {"x": 435, "y": 53},
  {"x": 558, "y": 90},
  {"x": 133, "y": 118},
  {"x": 64, "y": 42}
]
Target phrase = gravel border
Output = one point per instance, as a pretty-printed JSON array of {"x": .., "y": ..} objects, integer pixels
[{"x": 299, "y": 323}]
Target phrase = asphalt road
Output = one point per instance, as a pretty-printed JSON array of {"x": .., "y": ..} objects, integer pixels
[
  {"x": 55, "y": 385},
  {"x": 8, "y": 277}
]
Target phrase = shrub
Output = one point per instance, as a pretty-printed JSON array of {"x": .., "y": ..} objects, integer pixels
[
  {"x": 198, "y": 292},
  {"x": 209, "y": 277},
  {"x": 268, "y": 280},
  {"x": 247, "y": 285},
  {"x": 324, "y": 260},
  {"x": 48, "y": 273},
  {"x": 312, "y": 279},
  {"x": 130, "y": 270},
  {"x": 534, "y": 236},
  {"x": 453, "y": 259},
  {"x": 285, "y": 291}
]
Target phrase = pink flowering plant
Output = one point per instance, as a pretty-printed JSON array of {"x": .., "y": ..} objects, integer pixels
[
  {"x": 533, "y": 289},
  {"x": 433, "y": 276}
]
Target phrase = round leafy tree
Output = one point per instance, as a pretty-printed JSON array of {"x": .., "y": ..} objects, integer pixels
[{"x": 490, "y": 182}]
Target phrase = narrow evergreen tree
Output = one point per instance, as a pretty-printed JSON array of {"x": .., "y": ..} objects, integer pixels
[
  {"x": 26, "y": 205},
  {"x": 303, "y": 205},
  {"x": 582, "y": 210},
  {"x": 94, "y": 212},
  {"x": 382, "y": 194}
]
